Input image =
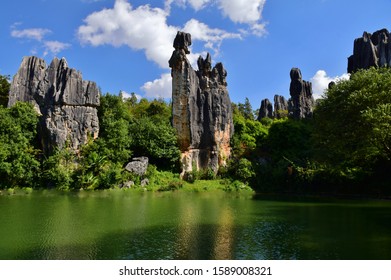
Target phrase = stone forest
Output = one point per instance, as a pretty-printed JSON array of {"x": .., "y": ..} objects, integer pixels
[
  {"x": 59, "y": 131},
  {"x": 92, "y": 175}
]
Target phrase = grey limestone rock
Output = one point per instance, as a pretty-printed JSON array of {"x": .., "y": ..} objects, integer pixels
[
  {"x": 266, "y": 110},
  {"x": 279, "y": 110},
  {"x": 302, "y": 102},
  {"x": 202, "y": 112},
  {"x": 138, "y": 166},
  {"x": 128, "y": 185},
  {"x": 280, "y": 106},
  {"x": 371, "y": 50},
  {"x": 66, "y": 103},
  {"x": 144, "y": 182}
]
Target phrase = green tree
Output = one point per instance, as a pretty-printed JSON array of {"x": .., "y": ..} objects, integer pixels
[
  {"x": 249, "y": 135},
  {"x": 59, "y": 169},
  {"x": 353, "y": 121},
  {"x": 290, "y": 140},
  {"x": 246, "y": 109},
  {"x": 156, "y": 140},
  {"x": 19, "y": 164},
  {"x": 4, "y": 90},
  {"x": 114, "y": 139},
  {"x": 353, "y": 128}
]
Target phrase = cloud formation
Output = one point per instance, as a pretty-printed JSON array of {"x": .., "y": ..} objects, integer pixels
[
  {"x": 30, "y": 33},
  {"x": 247, "y": 12},
  {"x": 159, "y": 88},
  {"x": 320, "y": 82},
  {"x": 145, "y": 28},
  {"x": 39, "y": 34},
  {"x": 55, "y": 47}
]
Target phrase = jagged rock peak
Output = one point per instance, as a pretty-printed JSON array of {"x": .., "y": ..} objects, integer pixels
[
  {"x": 280, "y": 106},
  {"x": 67, "y": 104},
  {"x": 266, "y": 110},
  {"x": 182, "y": 41},
  {"x": 302, "y": 101},
  {"x": 371, "y": 50},
  {"x": 279, "y": 110},
  {"x": 202, "y": 112}
]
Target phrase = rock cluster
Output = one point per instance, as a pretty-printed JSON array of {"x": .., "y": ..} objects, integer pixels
[
  {"x": 299, "y": 106},
  {"x": 202, "y": 112},
  {"x": 66, "y": 103},
  {"x": 371, "y": 50},
  {"x": 279, "y": 110}
]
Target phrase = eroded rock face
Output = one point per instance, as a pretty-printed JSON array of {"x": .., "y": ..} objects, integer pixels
[
  {"x": 371, "y": 50},
  {"x": 280, "y": 106},
  {"x": 202, "y": 112},
  {"x": 67, "y": 104},
  {"x": 279, "y": 110},
  {"x": 266, "y": 110},
  {"x": 301, "y": 103}
]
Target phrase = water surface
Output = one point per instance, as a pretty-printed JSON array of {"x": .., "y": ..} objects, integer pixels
[{"x": 126, "y": 225}]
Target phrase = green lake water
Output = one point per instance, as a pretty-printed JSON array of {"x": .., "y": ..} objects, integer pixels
[{"x": 126, "y": 225}]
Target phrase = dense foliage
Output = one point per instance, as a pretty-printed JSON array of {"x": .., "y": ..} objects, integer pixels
[
  {"x": 19, "y": 164},
  {"x": 353, "y": 128}
]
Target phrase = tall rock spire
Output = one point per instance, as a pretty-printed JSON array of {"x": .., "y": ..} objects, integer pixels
[
  {"x": 202, "y": 112},
  {"x": 301, "y": 103}
]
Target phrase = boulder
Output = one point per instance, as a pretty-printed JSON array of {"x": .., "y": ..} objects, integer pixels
[
  {"x": 66, "y": 103},
  {"x": 128, "y": 185},
  {"x": 202, "y": 112},
  {"x": 144, "y": 182},
  {"x": 138, "y": 166}
]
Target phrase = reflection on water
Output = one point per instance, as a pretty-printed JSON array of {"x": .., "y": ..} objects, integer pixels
[{"x": 120, "y": 225}]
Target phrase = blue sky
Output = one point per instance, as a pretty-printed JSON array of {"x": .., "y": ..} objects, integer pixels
[{"x": 125, "y": 44}]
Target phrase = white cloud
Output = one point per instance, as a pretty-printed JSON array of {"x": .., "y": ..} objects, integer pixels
[
  {"x": 247, "y": 12},
  {"x": 31, "y": 33},
  {"x": 212, "y": 36},
  {"x": 39, "y": 34},
  {"x": 143, "y": 28},
  {"x": 55, "y": 47},
  {"x": 159, "y": 88},
  {"x": 198, "y": 4},
  {"x": 320, "y": 82}
]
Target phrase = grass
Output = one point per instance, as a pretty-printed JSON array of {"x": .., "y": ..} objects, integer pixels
[{"x": 164, "y": 181}]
